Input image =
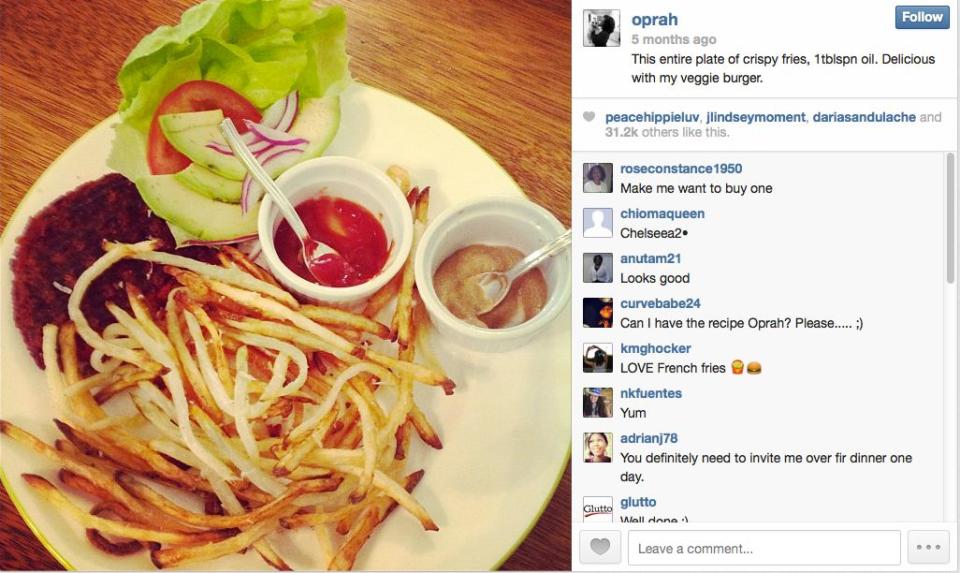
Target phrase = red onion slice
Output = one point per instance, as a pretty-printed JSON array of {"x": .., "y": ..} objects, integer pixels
[
  {"x": 281, "y": 113},
  {"x": 255, "y": 142},
  {"x": 202, "y": 243},
  {"x": 221, "y": 148},
  {"x": 274, "y": 136},
  {"x": 293, "y": 106},
  {"x": 275, "y": 160},
  {"x": 271, "y": 131},
  {"x": 256, "y": 145},
  {"x": 273, "y": 114},
  {"x": 247, "y": 191},
  {"x": 281, "y": 158},
  {"x": 260, "y": 146}
]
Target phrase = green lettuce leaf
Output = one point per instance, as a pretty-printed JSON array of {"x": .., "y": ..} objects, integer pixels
[{"x": 263, "y": 49}]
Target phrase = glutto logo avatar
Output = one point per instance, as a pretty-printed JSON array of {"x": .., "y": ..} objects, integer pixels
[{"x": 598, "y": 509}]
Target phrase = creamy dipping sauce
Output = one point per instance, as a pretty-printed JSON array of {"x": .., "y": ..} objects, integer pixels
[{"x": 463, "y": 297}]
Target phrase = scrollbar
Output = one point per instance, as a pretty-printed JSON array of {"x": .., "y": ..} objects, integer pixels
[{"x": 951, "y": 219}]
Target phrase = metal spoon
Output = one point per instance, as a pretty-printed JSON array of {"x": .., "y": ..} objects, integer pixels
[
  {"x": 496, "y": 284},
  {"x": 315, "y": 254}
]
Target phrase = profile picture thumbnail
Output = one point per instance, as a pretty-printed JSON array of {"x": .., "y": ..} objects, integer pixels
[
  {"x": 601, "y": 28},
  {"x": 598, "y": 312},
  {"x": 597, "y": 177},
  {"x": 598, "y": 267},
  {"x": 597, "y": 358},
  {"x": 598, "y": 402},
  {"x": 597, "y": 222},
  {"x": 597, "y": 447}
]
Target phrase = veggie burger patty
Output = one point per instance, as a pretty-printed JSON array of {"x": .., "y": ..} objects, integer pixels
[{"x": 66, "y": 237}]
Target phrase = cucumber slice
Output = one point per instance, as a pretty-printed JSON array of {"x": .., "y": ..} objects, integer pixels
[
  {"x": 200, "y": 216},
  {"x": 209, "y": 184},
  {"x": 174, "y": 122},
  {"x": 193, "y": 141},
  {"x": 317, "y": 122}
]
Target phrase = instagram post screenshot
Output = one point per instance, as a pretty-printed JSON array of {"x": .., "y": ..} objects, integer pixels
[
  {"x": 398, "y": 285},
  {"x": 764, "y": 208}
]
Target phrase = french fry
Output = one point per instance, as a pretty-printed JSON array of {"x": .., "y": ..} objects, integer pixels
[
  {"x": 102, "y": 543},
  {"x": 362, "y": 386},
  {"x": 234, "y": 277},
  {"x": 391, "y": 488},
  {"x": 98, "y": 472},
  {"x": 49, "y": 492},
  {"x": 322, "y": 518},
  {"x": 99, "y": 379},
  {"x": 225, "y": 261},
  {"x": 402, "y": 437},
  {"x": 106, "y": 467},
  {"x": 333, "y": 457},
  {"x": 196, "y": 290},
  {"x": 67, "y": 343},
  {"x": 325, "y": 544},
  {"x": 130, "y": 452},
  {"x": 194, "y": 384},
  {"x": 350, "y": 335},
  {"x": 158, "y": 349},
  {"x": 244, "y": 262},
  {"x": 379, "y": 300},
  {"x": 335, "y": 317},
  {"x": 336, "y": 345},
  {"x": 92, "y": 444},
  {"x": 170, "y": 557},
  {"x": 353, "y": 438},
  {"x": 262, "y": 479},
  {"x": 346, "y": 425},
  {"x": 266, "y": 511},
  {"x": 121, "y": 511},
  {"x": 372, "y": 516},
  {"x": 295, "y": 335},
  {"x": 402, "y": 315},
  {"x": 80, "y": 403},
  {"x": 82, "y": 484},
  {"x": 412, "y": 196},
  {"x": 297, "y": 415},
  {"x": 401, "y": 406},
  {"x": 143, "y": 315},
  {"x": 131, "y": 421},
  {"x": 214, "y": 346},
  {"x": 110, "y": 391},
  {"x": 424, "y": 428},
  {"x": 86, "y": 332},
  {"x": 355, "y": 539},
  {"x": 400, "y": 176},
  {"x": 294, "y": 456},
  {"x": 208, "y": 484},
  {"x": 370, "y": 447},
  {"x": 270, "y": 555},
  {"x": 420, "y": 373},
  {"x": 250, "y": 396}
]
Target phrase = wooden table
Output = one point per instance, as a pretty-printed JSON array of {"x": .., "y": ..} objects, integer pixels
[{"x": 498, "y": 71}]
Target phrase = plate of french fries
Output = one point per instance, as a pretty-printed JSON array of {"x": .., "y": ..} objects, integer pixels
[{"x": 237, "y": 428}]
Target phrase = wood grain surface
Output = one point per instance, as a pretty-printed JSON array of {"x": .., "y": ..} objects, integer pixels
[{"x": 499, "y": 71}]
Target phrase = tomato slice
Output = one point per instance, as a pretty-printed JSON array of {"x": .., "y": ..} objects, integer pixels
[{"x": 196, "y": 95}]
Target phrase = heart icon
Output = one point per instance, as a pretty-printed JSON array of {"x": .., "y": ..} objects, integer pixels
[
  {"x": 589, "y": 115},
  {"x": 600, "y": 546}
]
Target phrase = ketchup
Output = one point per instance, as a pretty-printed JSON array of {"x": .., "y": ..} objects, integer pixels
[{"x": 349, "y": 228}]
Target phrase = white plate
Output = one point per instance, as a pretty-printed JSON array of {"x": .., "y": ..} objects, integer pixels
[{"x": 505, "y": 431}]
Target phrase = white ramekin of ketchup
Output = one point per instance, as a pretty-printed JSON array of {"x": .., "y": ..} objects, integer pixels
[{"x": 351, "y": 206}]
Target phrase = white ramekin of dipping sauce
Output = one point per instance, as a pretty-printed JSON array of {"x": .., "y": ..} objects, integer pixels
[
  {"x": 516, "y": 223},
  {"x": 353, "y": 180}
]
